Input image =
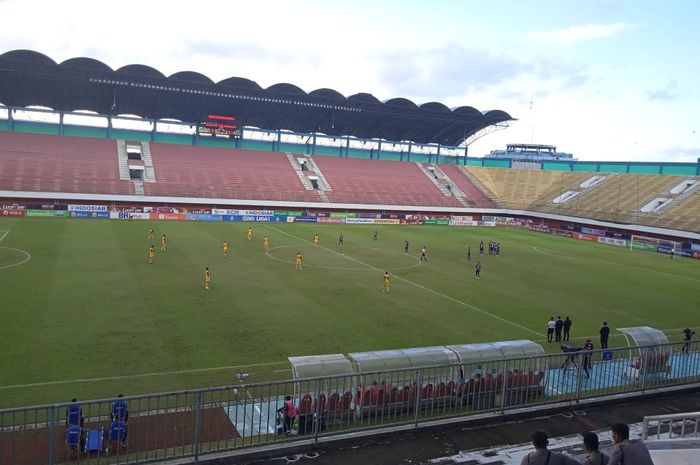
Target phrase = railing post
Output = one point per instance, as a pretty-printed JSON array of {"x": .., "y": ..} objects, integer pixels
[
  {"x": 317, "y": 411},
  {"x": 643, "y": 367},
  {"x": 51, "y": 427},
  {"x": 504, "y": 387},
  {"x": 197, "y": 440},
  {"x": 419, "y": 388},
  {"x": 578, "y": 379}
]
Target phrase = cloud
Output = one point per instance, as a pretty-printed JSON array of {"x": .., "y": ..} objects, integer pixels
[
  {"x": 681, "y": 154},
  {"x": 576, "y": 34},
  {"x": 670, "y": 92},
  {"x": 446, "y": 71}
]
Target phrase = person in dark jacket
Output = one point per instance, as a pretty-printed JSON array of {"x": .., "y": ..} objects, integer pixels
[
  {"x": 604, "y": 334},
  {"x": 557, "y": 329},
  {"x": 567, "y": 328}
]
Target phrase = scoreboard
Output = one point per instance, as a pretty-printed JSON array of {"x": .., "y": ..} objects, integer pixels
[{"x": 218, "y": 125}]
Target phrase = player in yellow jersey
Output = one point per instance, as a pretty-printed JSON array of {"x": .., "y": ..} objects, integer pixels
[
  {"x": 317, "y": 239},
  {"x": 387, "y": 278},
  {"x": 224, "y": 248},
  {"x": 151, "y": 254},
  {"x": 297, "y": 261},
  {"x": 207, "y": 278},
  {"x": 249, "y": 233},
  {"x": 266, "y": 244},
  {"x": 163, "y": 244},
  {"x": 151, "y": 234}
]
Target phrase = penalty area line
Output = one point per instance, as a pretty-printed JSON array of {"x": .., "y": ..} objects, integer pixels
[{"x": 432, "y": 291}]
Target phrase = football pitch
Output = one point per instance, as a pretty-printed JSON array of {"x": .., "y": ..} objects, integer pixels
[{"x": 84, "y": 314}]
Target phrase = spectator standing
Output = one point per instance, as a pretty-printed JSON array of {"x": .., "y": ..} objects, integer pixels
[
  {"x": 567, "y": 328},
  {"x": 557, "y": 329},
  {"x": 626, "y": 452},
  {"x": 594, "y": 457},
  {"x": 604, "y": 334},
  {"x": 543, "y": 456}
]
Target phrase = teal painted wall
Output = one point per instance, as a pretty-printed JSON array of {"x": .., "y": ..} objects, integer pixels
[
  {"x": 680, "y": 170},
  {"x": 295, "y": 148},
  {"x": 217, "y": 142},
  {"x": 330, "y": 151},
  {"x": 390, "y": 156},
  {"x": 36, "y": 128},
  {"x": 4, "y": 125},
  {"x": 587, "y": 167},
  {"x": 492, "y": 163},
  {"x": 358, "y": 153},
  {"x": 128, "y": 134},
  {"x": 256, "y": 145},
  {"x": 181, "y": 139},
  {"x": 644, "y": 169},
  {"x": 85, "y": 131},
  {"x": 611, "y": 168}
]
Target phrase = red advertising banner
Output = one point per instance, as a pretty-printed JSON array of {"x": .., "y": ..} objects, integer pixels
[
  {"x": 168, "y": 216},
  {"x": 585, "y": 237},
  {"x": 12, "y": 213}
]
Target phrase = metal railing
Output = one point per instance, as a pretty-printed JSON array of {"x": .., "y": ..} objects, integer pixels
[
  {"x": 190, "y": 424},
  {"x": 679, "y": 426}
]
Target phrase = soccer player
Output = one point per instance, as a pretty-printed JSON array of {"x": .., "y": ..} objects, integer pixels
[
  {"x": 469, "y": 254},
  {"x": 266, "y": 244},
  {"x": 376, "y": 235},
  {"x": 341, "y": 238},
  {"x": 405, "y": 247},
  {"x": 481, "y": 248},
  {"x": 317, "y": 239},
  {"x": 224, "y": 248},
  {"x": 207, "y": 278},
  {"x": 297, "y": 261},
  {"x": 249, "y": 233},
  {"x": 477, "y": 270},
  {"x": 422, "y": 254},
  {"x": 163, "y": 244},
  {"x": 387, "y": 278},
  {"x": 151, "y": 234},
  {"x": 604, "y": 335},
  {"x": 151, "y": 254},
  {"x": 550, "y": 329}
]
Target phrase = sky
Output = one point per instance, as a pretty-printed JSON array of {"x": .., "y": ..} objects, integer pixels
[{"x": 602, "y": 79}]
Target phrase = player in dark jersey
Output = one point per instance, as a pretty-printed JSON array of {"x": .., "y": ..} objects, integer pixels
[
  {"x": 469, "y": 254},
  {"x": 481, "y": 248},
  {"x": 405, "y": 247},
  {"x": 477, "y": 270}
]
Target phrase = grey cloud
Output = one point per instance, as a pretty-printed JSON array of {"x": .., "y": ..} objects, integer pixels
[{"x": 667, "y": 94}]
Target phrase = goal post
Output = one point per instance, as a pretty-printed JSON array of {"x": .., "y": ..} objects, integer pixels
[{"x": 653, "y": 244}]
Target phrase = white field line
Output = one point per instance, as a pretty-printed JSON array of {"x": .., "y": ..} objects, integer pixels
[
  {"x": 27, "y": 255},
  {"x": 619, "y": 264},
  {"x": 432, "y": 291},
  {"x": 140, "y": 375}
]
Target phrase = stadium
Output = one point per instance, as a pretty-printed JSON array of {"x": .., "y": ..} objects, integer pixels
[{"x": 119, "y": 188}]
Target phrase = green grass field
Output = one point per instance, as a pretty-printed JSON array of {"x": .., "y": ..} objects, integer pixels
[{"x": 86, "y": 316}]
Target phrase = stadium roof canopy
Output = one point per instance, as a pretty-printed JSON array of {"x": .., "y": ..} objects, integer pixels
[{"x": 31, "y": 78}]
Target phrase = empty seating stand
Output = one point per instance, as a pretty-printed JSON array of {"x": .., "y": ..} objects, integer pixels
[
  {"x": 380, "y": 182},
  {"x": 45, "y": 163},
  {"x": 186, "y": 171}
]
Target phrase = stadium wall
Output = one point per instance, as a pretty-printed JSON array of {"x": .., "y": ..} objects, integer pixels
[
  {"x": 414, "y": 152},
  {"x": 174, "y": 208}
]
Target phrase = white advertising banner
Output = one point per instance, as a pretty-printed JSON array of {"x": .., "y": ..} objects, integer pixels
[
  {"x": 87, "y": 208},
  {"x": 612, "y": 241}
]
